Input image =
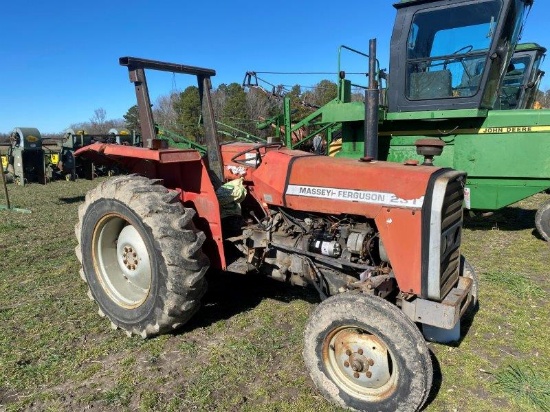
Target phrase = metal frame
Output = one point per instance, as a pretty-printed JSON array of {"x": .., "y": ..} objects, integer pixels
[{"x": 136, "y": 70}]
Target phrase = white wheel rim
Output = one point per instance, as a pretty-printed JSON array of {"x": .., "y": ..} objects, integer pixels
[
  {"x": 122, "y": 261},
  {"x": 360, "y": 363}
]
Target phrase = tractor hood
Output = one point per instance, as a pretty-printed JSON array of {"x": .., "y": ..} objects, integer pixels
[{"x": 307, "y": 182}]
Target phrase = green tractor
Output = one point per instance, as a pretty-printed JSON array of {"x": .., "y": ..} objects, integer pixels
[
  {"x": 522, "y": 81},
  {"x": 448, "y": 61},
  {"x": 445, "y": 73}
]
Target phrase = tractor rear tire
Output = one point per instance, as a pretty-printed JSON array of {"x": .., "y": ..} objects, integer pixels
[
  {"x": 141, "y": 255},
  {"x": 363, "y": 353},
  {"x": 542, "y": 220}
]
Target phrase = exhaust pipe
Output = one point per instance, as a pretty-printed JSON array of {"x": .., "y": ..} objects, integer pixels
[{"x": 372, "y": 96}]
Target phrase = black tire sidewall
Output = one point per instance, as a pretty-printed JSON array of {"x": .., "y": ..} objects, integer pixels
[
  {"x": 122, "y": 317},
  {"x": 468, "y": 271},
  {"x": 408, "y": 369},
  {"x": 542, "y": 220}
]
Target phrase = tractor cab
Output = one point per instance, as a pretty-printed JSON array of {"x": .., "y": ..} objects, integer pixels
[
  {"x": 451, "y": 55},
  {"x": 523, "y": 77}
]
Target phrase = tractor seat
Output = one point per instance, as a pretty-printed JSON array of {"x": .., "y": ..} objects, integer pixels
[{"x": 430, "y": 85}]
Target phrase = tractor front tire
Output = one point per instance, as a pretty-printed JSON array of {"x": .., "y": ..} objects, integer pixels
[
  {"x": 363, "y": 353},
  {"x": 542, "y": 220},
  {"x": 141, "y": 255},
  {"x": 468, "y": 271}
]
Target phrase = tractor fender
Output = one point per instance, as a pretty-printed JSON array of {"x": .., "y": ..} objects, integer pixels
[{"x": 181, "y": 170}]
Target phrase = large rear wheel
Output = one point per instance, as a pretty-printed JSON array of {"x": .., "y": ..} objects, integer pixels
[
  {"x": 363, "y": 353},
  {"x": 141, "y": 255}
]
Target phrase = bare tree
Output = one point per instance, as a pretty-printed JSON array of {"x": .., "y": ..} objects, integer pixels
[
  {"x": 97, "y": 121},
  {"x": 544, "y": 98},
  {"x": 259, "y": 105},
  {"x": 99, "y": 116},
  {"x": 163, "y": 111},
  {"x": 99, "y": 124}
]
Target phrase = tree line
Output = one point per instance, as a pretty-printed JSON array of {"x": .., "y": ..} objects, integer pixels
[{"x": 234, "y": 105}]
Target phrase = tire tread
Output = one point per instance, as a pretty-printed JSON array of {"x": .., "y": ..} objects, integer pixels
[{"x": 176, "y": 240}]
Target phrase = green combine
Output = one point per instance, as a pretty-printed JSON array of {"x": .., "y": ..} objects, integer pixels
[
  {"x": 522, "y": 81},
  {"x": 448, "y": 62}
]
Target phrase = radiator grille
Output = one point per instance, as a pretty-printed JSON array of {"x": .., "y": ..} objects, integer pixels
[{"x": 451, "y": 233}]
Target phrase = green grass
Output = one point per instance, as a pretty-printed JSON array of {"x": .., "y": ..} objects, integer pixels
[
  {"x": 515, "y": 284},
  {"x": 525, "y": 385},
  {"x": 243, "y": 349}
]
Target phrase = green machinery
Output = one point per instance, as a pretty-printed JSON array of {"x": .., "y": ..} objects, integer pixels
[
  {"x": 522, "y": 81},
  {"x": 65, "y": 164},
  {"x": 228, "y": 132},
  {"x": 25, "y": 162},
  {"x": 231, "y": 133},
  {"x": 68, "y": 165},
  {"x": 176, "y": 140},
  {"x": 448, "y": 61},
  {"x": 447, "y": 65},
  {"x": 122, "y": 136}
]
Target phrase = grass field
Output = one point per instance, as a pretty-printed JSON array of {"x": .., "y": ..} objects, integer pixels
[{"x": 242, "y": 351}]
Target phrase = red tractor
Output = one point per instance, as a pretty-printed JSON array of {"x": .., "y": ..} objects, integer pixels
[{"x": 379, "y": 241}]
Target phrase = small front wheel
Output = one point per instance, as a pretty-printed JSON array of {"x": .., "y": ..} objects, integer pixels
[
  {"x": 468, "y": 271},
  {"x": 363, "y": 353}
]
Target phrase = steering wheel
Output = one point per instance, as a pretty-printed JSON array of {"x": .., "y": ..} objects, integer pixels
[
  {"x": 256, "y": 148},
  {"x": 465, "y": 49}
]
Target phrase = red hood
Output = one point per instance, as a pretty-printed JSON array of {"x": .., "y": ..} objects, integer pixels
[{"x": 334, "y": 185}]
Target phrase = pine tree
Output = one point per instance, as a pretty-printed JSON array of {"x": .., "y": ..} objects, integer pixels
[
  {"x": 131, "y": 119},
  {"x": 188, "y": 109}
]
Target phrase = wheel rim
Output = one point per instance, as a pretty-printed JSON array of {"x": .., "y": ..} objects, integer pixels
[
  {"x": 122, "y": 261},
  {"x": 360, "y": 363}
]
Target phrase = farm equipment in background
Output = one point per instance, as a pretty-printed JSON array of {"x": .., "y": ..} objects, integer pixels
[
  {"x": 123, "y": 137},
  {"x": 295, "y": 134},
  {"x": 24, "y": 161},
  {"x": 72, "y": 168},
  {"x": 446, "y": 91},
  {"x": 522, "y": 80},
  {"x": 178, "y": 141},
  {"x": 379, "y": 241},
  {"x": 49, "y": 146},
  {"x": 68, "y": 166},
  {"x": 21, "y": 157},
  {"x": 5, "y": 161},
  {"x": 232, "y": 133},
  {"x": 448, "y": 61}
]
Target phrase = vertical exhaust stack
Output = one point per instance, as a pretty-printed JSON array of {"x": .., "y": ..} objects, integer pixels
[{"x": 372, "y": 96}]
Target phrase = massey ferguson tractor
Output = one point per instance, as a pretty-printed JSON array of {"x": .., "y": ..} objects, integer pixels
[{"x": 379, "y": 241}]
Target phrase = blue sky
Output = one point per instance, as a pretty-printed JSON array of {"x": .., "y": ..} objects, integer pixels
[{"x": 59, "y": 59}]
